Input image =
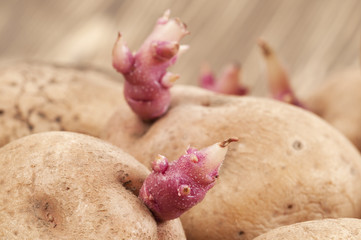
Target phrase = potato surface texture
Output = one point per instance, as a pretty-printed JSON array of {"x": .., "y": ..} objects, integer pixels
[
  {"x": 61, "y": 185},
  {"x": 340, "y": 229},
  {"x": 288, "y": 166},
  {"x": 37, "y": 97},
  {"x": 337, "y": 101}
]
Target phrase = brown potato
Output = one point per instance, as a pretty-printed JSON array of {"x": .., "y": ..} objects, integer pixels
[
  {"x": 337, "y": 101},
  {"x": 289, "y": 165},
  {"x": 342, "y": 228},
  {"x": 37, "y": 97},
  {"x": 62, "y": 185}
]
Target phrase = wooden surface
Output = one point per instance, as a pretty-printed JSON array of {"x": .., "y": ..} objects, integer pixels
[{"x": 313, "y": 37}]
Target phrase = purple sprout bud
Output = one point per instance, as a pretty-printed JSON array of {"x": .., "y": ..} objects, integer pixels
[
  {"x": 160, "y": 164},
  {"x": 172, "y": 189},
  {"x": 164, "y": 50},
  {"x": 169, "y": 79},
  {"x": 122, "y": 57},
  {"x": 228, "y": 83},
  {"x": 147, "y": 82}
]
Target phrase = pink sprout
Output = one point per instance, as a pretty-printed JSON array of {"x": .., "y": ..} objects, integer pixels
[
  {"x": 173, "y": 188},
  {"x": 147, "y": 81},
  {"x": 228, "y": 83},
  {"x": 278, "y": 81}
]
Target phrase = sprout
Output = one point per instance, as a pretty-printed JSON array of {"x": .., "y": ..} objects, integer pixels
[
  {"x": 147, "y": 81},
  {"x": 173, "y": 188}
]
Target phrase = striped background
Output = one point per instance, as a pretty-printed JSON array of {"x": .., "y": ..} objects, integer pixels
[{"x": 313, "y": 37}]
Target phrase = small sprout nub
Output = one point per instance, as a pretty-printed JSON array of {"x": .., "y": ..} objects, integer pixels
[
  {"x": 226, "y": 142},
  {"x": 184, "y": 190},
  {"x": 169, "y": 79},
  {"x": 122, "y": 57},
  {"x": 164, "y": 50},
  {"x": 160, "y": 164},
  {"x": 165, "y": 18},
  {"x": 194, "y": 158}
]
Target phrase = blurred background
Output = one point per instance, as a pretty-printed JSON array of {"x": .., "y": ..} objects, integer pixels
[{"x": 313, "y": 38}]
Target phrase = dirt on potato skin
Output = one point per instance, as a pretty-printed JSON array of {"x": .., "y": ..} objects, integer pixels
[
  {"x": 37, "y": 97},
  {"x": 288, "y": 166},
  {"x": 62, "y": 185}
]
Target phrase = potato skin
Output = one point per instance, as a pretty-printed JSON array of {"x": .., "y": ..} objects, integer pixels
[
  {"x": 38, "y": 97},
  {"x": 337, "y": 101},
  {"x": 326, "y": 229},
  {"x": 289, "y": 165},
  {"x": 62, "y": 185}
]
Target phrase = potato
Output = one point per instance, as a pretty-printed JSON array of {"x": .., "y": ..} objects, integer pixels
[
  {"x": 337, "y": 102},
  {"x": 342, "y": 228},
  {"x": 289, "y": 165},
  {"x": 37, "y": 97},
  {"x": 62, "y": 185}
]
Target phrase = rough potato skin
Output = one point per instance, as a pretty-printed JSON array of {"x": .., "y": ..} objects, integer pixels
[
  {"x": 288, "y": 166},
  {"x": 38, "y": 97},
  {"x": 337, "y": 101},
  {"x": 326, "y": 229},
  {"x": 62, "y": 185}
]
